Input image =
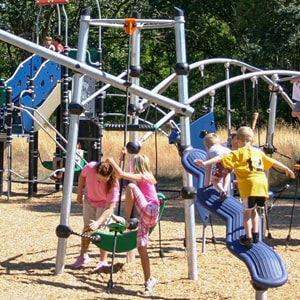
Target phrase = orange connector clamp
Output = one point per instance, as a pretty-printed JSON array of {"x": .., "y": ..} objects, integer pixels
[
  {"x": 130, "y": 25},
  {"x": 297, "y": 167}
]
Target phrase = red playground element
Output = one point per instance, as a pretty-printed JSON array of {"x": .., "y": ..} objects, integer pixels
[{"x": 49, "y": 2}]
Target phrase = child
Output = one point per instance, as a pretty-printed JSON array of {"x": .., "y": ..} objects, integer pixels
[
  {"x": 57, "y": 42},
  {"x": 58, "y": 161},
  {"x": 296, "y": 96},
  {"x": 99, "y": 185},
  {"x": 249, "y": 164},
  {"x": 48, "y": 43},
  {"x": 215, "y": 173},
  {"x": 143, "y": 196}
]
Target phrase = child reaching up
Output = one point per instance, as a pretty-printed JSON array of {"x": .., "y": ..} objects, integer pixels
[
  {"x": 216, "y": 174},
  {"x": 249, "y": 164},
  {"x": 141, "y": 194}
]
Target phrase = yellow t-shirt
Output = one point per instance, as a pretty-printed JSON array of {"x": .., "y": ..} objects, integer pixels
[{"x": 249, "y": 164}]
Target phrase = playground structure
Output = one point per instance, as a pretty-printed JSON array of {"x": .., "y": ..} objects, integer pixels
[{"x": 182, "y": 107}]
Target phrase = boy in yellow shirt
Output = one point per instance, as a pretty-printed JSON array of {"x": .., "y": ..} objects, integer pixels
[{"x": 249, "y": 164}]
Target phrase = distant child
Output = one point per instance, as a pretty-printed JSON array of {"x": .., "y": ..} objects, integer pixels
[
  {"x": 296, "y": 96},
  {"x": 48, "y": 43},
  {"x": 143, "y": 196},
  {"x": 217, "y": 175},
  {"x": 57, "y": 42},
  {"x": 58, "y": 161},
  {"x": 249, "y": 164}
]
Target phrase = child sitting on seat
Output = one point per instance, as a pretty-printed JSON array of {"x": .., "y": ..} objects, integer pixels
[
  {"x": 216, "y": 174},
  {"x": 58, "y": 161}
]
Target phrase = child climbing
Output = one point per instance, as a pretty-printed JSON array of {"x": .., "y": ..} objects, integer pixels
[
  {"x": 249, "y": 164},
  {"x": 143, "y": 196},
  {"x": 216, "y": 174}
]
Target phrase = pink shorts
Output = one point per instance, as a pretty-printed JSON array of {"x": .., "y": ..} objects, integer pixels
[{"x": 148, "y": 212}]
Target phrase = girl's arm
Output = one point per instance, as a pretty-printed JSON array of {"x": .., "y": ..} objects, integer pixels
[
  {"x": 95, "y": 224},
  {"x": 203, "y": 163},
  {"x": 80, "y": 189},
  {"x": 123, "y": 174}
]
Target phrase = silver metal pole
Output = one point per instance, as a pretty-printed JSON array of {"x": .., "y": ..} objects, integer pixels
[
  {"x": 272, "y": 114},
  {"x": 189, "y": 209},
  {"x": 135, "y": 60},
  {"x": 82, "y": 67},
  {"x": 228, "y": 107},
  {"x": 72, "y": 140}
]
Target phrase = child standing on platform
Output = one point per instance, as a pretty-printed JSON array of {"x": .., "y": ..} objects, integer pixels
[
  {"x": 143, "y": 196},
  {"x": 217, "y": 175},
  {"x": 249, "y": 164}
]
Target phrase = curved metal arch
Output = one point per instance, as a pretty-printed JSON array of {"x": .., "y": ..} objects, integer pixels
[{"x": 259, "y": 74}]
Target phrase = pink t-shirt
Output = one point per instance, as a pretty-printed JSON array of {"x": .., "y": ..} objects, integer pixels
[
  {"x": 148, "y": 190},
  {"x": 95, "y": 191}
]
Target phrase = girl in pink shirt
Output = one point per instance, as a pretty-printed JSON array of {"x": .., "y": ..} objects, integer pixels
[
  {"x": 141, "y": 194},
  {"x": 98, "y": 193}
]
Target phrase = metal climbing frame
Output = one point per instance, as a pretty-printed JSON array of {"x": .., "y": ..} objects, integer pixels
[{"x": 76, "y": 108}]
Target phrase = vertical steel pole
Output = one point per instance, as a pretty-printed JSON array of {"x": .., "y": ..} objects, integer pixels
[
  {"x": 228, "y": 105},
  {"x": 181, "y": 70},
  {"x": 72, "y": 138},
  {"x": 8, "y": 121}
]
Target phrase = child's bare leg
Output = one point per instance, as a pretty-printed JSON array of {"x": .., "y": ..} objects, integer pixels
[
  {"x": 129, "y": 200},
  {"x": 254, "y": 220},
  {"x": 216, "y": 181},
  {"x": 248, "y": 222},
  {"x": 84, "y": 242},
  {"x": 145, "y": 262},
  {"x": 226, "y": 181}
]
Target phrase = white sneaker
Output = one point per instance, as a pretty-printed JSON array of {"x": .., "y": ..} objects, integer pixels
[
  {"x": 149, "y": 285},
  {"x": 119, "y": 219},
  {"x": 128, "y": 223}
]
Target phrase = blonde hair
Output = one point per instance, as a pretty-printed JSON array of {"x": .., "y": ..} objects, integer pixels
[
  {"x": 48, "y": 38},
  {"x": 141, "y": 165},
  {"x": 245, "y": 134},
  {"x": 211, "y": 139}
]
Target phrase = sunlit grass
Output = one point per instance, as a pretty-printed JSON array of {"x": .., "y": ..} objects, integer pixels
[{"x": 166, "y": 161}]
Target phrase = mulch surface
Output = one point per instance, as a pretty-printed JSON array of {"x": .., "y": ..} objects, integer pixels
[{"x": 29, "y": 254}]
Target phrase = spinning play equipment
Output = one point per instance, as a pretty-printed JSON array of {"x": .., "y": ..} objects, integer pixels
[{"x": 126, "y": 241}]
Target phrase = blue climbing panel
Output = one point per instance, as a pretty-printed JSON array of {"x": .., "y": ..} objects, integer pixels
[
  {"x": 44, "y": 81},
  {"x": 205, "y": 123},
  {"x": 187, "y": 160}
]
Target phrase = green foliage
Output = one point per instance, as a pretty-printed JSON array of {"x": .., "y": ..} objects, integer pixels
[{"x": 261, "y": 33}]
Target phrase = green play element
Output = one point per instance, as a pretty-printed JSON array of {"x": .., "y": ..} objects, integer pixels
[
  {"x": 48, "y": 164},
  {"x": 91, "y": 56},
  {"x": 116, "y": 227},
  {"x": 2, "y": 96},
  {"x": 124, "y": 241}
]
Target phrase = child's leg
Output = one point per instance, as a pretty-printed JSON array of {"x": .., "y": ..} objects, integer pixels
[
  {"x": 226, "y": 182},
  {"x": 248, "y": 222},
  {"x": 129, "y": 200},
  {"x": 254, "y": 220},
  {"x": 145, "y": 262},
  {"x": 216, "y": 181}
]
